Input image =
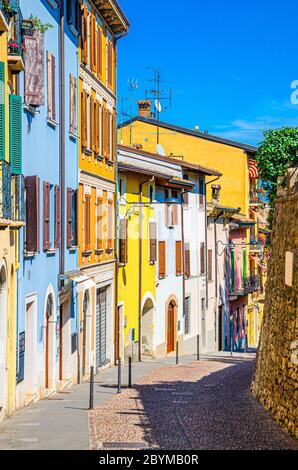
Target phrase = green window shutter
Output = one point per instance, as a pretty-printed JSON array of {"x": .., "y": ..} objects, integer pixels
[
  {"x": 244, "y": 264},
  {"x": 2, "y": 111},
  {"x": 232, "y": 279},
  {"x": 15, "y": 134}
]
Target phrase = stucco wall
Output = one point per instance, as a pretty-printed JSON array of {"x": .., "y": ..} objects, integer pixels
[{"x": 276, "y": 375}]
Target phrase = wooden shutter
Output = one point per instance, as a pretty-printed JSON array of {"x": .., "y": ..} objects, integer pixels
[
  {"x": 57, "y": 217},
  {"x": 46, "y": 216},
  {"x": 85, "y": 35},
  {"x": 99, "y": 222},
  {"x": 210, "y": 266},
  {"x": 175, "y": 213},
  {"x": 152, "y": 242},
  {"x": 186, "y": 198},
  {"x": 110, "y": 64},
  {"x": 2, "y": 111},
  {"x": 123, "y": 248},
  {"x": 69, "y": 217},
  {"x": 202, "y": 257},
  {"x": 162, "y": 259},
  {"x": 114, "y": 137},
  {"x": 51, "y": 86},
  {"x": 110, "y": 223},
  {"x": 87, "y": 222},
  {"x": 32, "y": 213},
  {"x": 73, "y": 104},
  {"x": 187, "y": 260},
  {"x": 97, "y": 128},
  {"x": 34, "y": 69},
  {"x": 92, "y": 136},
  {"x": 104, "y": 131},
  {"x": 178, "y": 258},
  {"x": 167, "y": 218},
  {"x": 99, "y": 53},
  {"x": 15, "y": 133},
  {"x": 84, "y": 119},
  {"x": 108, "y": 134},
  {"x": 93, "y": 42}
]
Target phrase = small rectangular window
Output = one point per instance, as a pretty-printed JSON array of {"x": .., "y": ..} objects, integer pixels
[
  {"x": 187, "y": 315},
  {"x": 51, "y": 70}
]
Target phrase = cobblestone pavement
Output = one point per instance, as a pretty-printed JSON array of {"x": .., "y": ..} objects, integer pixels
[{"x": 194, "y": 406}]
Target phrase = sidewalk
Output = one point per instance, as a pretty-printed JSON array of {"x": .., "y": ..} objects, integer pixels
[{"x": 61, "y": 422}]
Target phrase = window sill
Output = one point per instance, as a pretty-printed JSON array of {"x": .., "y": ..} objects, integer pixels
[
  {"x": 72, "y": 248},
  {"x": 152, "y": 263},
  {"x": 109, "y": 250},
  {"x": 87, "y": 152},
  {"x": 99, "y": 158},
  {"x": 52, "y": 123},
  {"x": 122, "y": 265},
  {"x": 30, "y": 109},
  {"x": 109, "y": 162},
  {"x": 87, "y": 253},
  {"x": 51, "y": 251},
  {"x": 30, "y": 254},
  {"x": 73, "y": 136},
  {"x": 73, "y": 30},
  {"x": 99, "y": 252}
]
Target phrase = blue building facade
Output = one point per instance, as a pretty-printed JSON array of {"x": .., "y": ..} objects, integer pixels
[{"x": 47, "y": 321}]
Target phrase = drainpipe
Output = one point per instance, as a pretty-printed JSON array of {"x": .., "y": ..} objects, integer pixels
[
  {"x": 216, "y": 270},
  {"x": 183, "y": 258},
  {"x": 206, "y": 238},
  {"x": 117, "y": 319},
  {"x": 140, "y": 261}
]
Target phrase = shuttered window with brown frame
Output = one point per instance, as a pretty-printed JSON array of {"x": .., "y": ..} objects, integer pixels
[
  {"x": 69, "y": 217},
  {"x": 110, "y": 64},
  {"x": 57, "y": 217},
  {"x": 97, "y": 128},
  {"x": 202, "y": 257},
  {"x": 87, "y": 222},
  {"x": 93, "y": 42},
  {"x": 175, "y": 219},
  {"x": 108, "y": 134},
  {"x": 46, "y": 216},
  {"x": 123, "y": 240},
  {"x": 92, "y": 126},
  {"x": 110, "y": 223},
  {"x": 73, "y": 105},
  {"x": 32, "y": 185},
  {"x": 210, "y": 266},
  {"x": 178, "y": 258},
  {"x": 99, "y": 223},
  {"x": 162, "y": 259},
  {"x": 114, "y": 137},
  {"x": 51, "y": 67},
  {"x": 103, "y": 131},
  {"x": 34, "y": 69},
  {"x": 152, "y": 242},
  {"x": 84, "y": 119},
  {"x": 99, "y": 53},
  {"x": 187, "y": 260},
  {"x": 84, "y": 33}
]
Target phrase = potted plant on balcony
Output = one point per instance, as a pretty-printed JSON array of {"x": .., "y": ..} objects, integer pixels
[
  {"x": 13, "y": 47},
  {"x": 6, "y": 7}
]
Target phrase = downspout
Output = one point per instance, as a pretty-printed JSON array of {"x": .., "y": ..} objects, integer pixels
[
  {"x": 216, "y": 269},
  {"x": 206, "y": 238},
  {"x": 183, "y": 258},
  {"x": 140, "y": 261}
]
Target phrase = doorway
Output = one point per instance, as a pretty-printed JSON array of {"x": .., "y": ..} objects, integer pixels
[
  {"x": 101, "y": 327},
  {"x": 171, "y": 331},
  {"x": 220, "y": 328},
  {"x": 49, "y": 314},
  {"x": 148, "y": 328},
  {"x": 30, "y": 345},
  {"x": 203, "y": 326},
  {"x": 3, "y": 334}
]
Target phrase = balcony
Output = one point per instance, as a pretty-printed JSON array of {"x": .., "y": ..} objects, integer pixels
[
  {"x": 5, "y": 194},
  {"x": 15, "y": 45},
  {"x": 5, "y": 15},
  {"x": 12, "y": 198},
  {"x": 255, "y": 199},
  {"x": 245, "y": 286}
]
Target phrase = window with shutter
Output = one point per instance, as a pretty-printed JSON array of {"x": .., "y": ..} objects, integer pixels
[
  {"x": 84, "y": 119},
  {"x": 152, "y": 242},
  {"x": 99, "y": 223},
  {"x": 187, "y": 260},
  {"x": 34, "y": 69},
  {"x": 74, "y": 218},
  {"x": 175, "y": 214},
  {"x": 51, "y": 86},
  {"x": 110, "y": 64},
  {"x": 162, "y": 259},
  {"x": 87, "y": 222},
  {"x": 123, "y": 248},
  {"x": 57, "y": 217},
  {"x": 97, "y": 128},
  {"x": 15, "y": 134},
  {"x": 93, "y": 42},
  {"x": 110, "y": 223},
  {"x": 114, "y": 137},
  {"x": 178, "y": 258},
  {"x": 202, "y": 257},
  {"x": 92, "y": 126},
  {"x": 210, "y": 266},
  {"x": 103, "y": 132},
  {"x": 84, "y": 33},
  {"x": 2, "y": 111},
  {"x": 69, "y": 217},
  {"x": 46, "y": 216},
  {"x": 186, "y": 315},
  {"x": 99, "y": 53},
  {"x": 73, "y": 105},
  {"x": 32, "y": 214}
]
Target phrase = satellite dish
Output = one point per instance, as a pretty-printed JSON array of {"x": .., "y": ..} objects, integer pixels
[
  {"x": 161, "y": 150},
  {"x": 158, "y": 106},
  {"x": 197, "y": 128}
]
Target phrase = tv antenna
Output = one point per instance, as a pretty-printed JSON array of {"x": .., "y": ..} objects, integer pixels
[{"x": 133, "y": 85}]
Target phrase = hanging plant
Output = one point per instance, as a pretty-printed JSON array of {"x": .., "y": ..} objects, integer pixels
[
  {"x": 37, "y": 24},
  {"x": 6, "y": 7}
]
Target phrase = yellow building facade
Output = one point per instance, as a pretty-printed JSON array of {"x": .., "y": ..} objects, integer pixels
[{"x": 11, "y": 210}]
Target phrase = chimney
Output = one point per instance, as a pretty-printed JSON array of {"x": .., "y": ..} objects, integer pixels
[
  {"x": 215, "y": 193},
  {"x": 145, "y": 108}
]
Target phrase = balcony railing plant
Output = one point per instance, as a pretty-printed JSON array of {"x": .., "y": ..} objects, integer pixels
[
  {"x": 5, "y": 191},
  {"x": 254, "y": 198},
  {"x": 18, "y": 198},
  {"x": 6, "y": 10},
  {"x": 15, "y": 44},
  {"x": 245, "y": 286}
]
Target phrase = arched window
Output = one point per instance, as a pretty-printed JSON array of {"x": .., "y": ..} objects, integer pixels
[{"x": 49, "y": 307}]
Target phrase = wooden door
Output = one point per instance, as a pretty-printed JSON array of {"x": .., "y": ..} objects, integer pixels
[{"x": 171, "y": 328}]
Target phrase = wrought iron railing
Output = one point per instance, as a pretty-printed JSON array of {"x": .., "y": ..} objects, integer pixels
[
  {"x": 6, "y": 9},
  {"x": 18, "y": 198},
  {"x": 252, "y": 284},
  {"x": 15, "y": 41},
  {"x": 5, "y": 191},
  {"x": 254, "y": 198}
]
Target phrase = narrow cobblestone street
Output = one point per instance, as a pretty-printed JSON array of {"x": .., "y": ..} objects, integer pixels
[{"x": 198, "y": 406}]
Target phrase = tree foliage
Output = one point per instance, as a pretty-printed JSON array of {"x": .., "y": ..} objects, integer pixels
[{"x": 277, "y": 153}]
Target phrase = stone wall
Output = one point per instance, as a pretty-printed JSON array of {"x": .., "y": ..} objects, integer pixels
[{"x": 275, "y": 382}]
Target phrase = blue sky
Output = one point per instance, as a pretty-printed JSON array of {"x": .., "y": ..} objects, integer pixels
[{"x": 231, "y": 63}]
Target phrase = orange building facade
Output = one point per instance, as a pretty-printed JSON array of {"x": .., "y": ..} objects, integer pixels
[{"x": 102, "y": 24}]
